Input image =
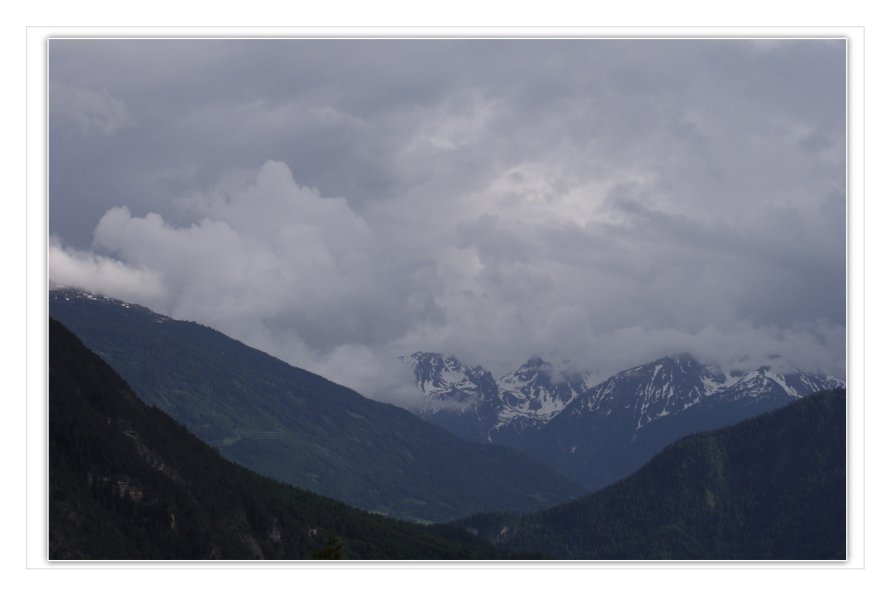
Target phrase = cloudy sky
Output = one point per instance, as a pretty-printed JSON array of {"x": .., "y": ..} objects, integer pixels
[{"x": 338, "y": 203}]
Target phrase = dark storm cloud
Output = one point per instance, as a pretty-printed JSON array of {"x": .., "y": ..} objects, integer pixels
[{"x": 341, "y": 202}]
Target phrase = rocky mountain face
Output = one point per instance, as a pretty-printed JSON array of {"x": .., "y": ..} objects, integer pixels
[
  {"x": 458, "y": 398},
  {"x": 535, "y": 393},
  {"x": 475, "y": 405}
]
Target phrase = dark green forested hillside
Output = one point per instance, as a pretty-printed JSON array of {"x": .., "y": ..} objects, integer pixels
[
  {"x": 128, "y": 482},
  {"x": 300, "y": 428},
  {"x": 772, "y": 487}
]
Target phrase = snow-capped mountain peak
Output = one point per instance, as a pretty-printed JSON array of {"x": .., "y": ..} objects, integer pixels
[
  {"x": 674, "y": 383},
  {"x": 766, "y": 381},
  {"x": 530, "y": 395},
  {"x": 448, "y": 384},
  {"x": 537, "y": 392},
  {"x": 649, "y": 391}
]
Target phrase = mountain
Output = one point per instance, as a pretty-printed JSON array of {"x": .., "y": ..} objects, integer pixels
[
  {"x": 615, "y": 427},
  {"x": 599, "y": 434},
  {"x": 126, "y": 481},
  {"x": 770, "y": 488},
  {"x": 534, "y": 393},
  {"x": 470, "y": 402},
  {"x": 299, "y": 428},
  {"x": 458, "y": 398}
]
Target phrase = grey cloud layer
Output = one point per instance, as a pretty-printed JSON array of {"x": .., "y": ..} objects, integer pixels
[{"x": 341, "y": 202}]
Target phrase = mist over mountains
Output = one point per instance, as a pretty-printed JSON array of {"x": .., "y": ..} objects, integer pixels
[
  {"x": 540, "y": 431},
  {"x": 128, "y": 482},
  {"x": 439, "y": 277},
  {"x": 591, "y": 431}
]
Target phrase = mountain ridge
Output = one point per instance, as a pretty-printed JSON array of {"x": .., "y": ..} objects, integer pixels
[
  {"x": 300, "y": 428},
  {"x": 126, "y": 481},
  {"x": 608, "y": 430},
  {"x": 513, "y": 402},
  {"x": 537, "y": 389}
]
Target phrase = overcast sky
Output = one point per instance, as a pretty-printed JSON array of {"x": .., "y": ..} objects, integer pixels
[{"x": 338, "y": 203}]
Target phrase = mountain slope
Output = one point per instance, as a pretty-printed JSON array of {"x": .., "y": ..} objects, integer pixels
[
  {"x": 615, "y": 427},
  {"x": 128, "y": 482},
  {"x": 299, "y": 428},
  {"x": 600, "y": 434},
  {"x": 772, "y": 487}
]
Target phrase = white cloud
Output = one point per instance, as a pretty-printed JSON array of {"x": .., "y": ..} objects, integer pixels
[
  {"x": 85, "y": 270},
  {"x": 304, "y": 277},
  {"x": 269, "y": 262}
]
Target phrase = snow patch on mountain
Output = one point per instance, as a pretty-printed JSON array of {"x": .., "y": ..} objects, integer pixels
[
  {"x": 673, "y": 384},
  {"x": 536, "y": 392},
  {"x": 529, "y": 396},
  {"x": 447, "y": 383}
]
